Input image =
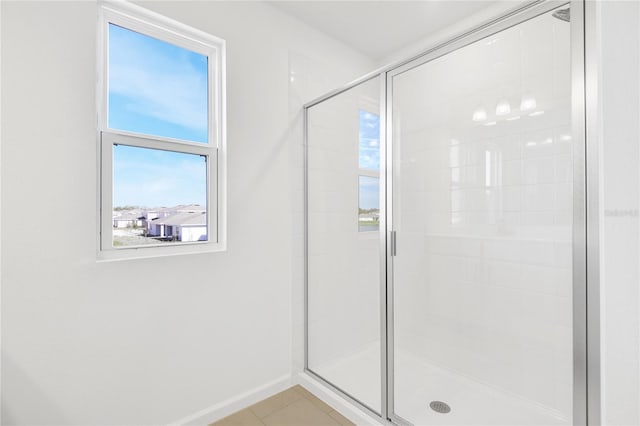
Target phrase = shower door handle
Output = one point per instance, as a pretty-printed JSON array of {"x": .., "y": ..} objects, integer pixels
[{"x": 392, "y": 243}]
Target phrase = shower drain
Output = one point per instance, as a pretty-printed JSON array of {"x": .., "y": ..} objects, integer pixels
[{"x": 440, "y": 407}]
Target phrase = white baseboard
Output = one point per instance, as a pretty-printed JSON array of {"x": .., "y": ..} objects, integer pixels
[
  {"x": 231, "y": 405},
  {"x": 342, "y": 405}
]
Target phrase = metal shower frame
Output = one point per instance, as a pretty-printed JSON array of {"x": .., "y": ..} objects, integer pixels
[{"x": 586, "y": 299}]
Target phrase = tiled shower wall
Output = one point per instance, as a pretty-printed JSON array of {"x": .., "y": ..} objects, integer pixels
[{"x": 483, "y": 211}]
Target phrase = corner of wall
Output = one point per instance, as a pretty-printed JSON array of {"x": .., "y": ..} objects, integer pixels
[{"x": 229, "y": 406}]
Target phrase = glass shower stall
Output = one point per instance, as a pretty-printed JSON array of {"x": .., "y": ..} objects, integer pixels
[{"x": 445, "y": 232}]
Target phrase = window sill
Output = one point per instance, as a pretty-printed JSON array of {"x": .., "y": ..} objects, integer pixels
[{"x": 155, "y": 252}]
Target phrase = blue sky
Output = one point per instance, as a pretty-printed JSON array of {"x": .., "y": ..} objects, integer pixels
[
  {"x": 369, "y": 192},
  {"x": 153, "y": 178},
  {"x": 369, "y": 143},
  {"x": 156, "y": 87},
  {"x": 160, "y": 89},
  {"x": 369, "y": 158}
]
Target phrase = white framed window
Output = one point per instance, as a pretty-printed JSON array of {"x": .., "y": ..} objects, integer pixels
[
  {"x": 161, "y": 136},
  {"x": 368, "y": 170}
]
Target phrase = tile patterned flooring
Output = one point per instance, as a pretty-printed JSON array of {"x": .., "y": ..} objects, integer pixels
[{"x": 295, "y": 406}]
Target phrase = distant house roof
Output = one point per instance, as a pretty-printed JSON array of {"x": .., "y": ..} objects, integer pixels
[
  {"x": 130, "y": 215},
  {"x": 190, "y": 208},
  {"x": 188, "y": 218}
]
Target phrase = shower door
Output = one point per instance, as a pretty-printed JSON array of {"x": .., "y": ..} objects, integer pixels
[
  {"x": 482, "y": 214},
  {"x": 344, "y": 230}
]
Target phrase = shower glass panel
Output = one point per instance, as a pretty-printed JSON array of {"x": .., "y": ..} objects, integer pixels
[
  {"x": 482, "y": 208},
  {"x": 343, "y": 242}
]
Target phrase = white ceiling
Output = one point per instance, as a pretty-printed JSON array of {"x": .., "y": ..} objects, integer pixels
[{"x": 380, "y": 28}]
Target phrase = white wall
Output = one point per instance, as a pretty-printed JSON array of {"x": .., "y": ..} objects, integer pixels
[
  {"x": 133, "y": 341},
  {"x": 618, "y": 53}
]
